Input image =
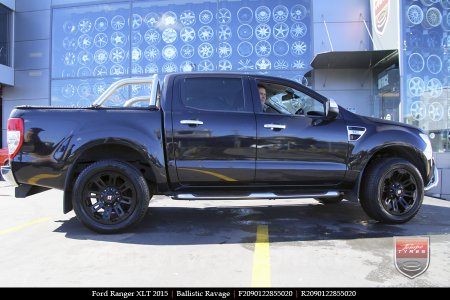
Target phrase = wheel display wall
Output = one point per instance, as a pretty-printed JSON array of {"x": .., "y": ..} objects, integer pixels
[
  {"x": 426, "y": 66},
  {"x": 94, "y": 45}
]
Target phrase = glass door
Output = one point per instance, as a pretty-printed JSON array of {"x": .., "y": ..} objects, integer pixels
[
  {"x": 387, "y": 95},
  {"x": 390, "y": 106}
]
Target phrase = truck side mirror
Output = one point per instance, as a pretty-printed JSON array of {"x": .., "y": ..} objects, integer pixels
[{"x": 332, "y": 109}]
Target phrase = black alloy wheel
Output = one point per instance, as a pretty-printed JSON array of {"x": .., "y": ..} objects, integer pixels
[
  {"x": 398, "y": 190},
  {"x": 110, "y": 196},
  {"x": 392, "y": 190}
]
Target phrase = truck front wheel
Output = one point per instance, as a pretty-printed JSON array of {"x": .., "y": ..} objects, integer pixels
[
  {"x": 392, "y": 190},
  {"x": 110, "y": 196}
]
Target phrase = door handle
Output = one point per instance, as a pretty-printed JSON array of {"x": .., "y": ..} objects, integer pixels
[
  {"x": 191, "y": 122},
  {"x": 275, "y": 126}
]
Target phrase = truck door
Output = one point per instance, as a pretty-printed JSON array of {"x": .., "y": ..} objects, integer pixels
[
  {"x": 296, "y": 145},
  {"x": 213, "y": 130}
]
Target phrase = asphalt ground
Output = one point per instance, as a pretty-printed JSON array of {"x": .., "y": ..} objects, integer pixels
[{"x": 259, "y": 243}]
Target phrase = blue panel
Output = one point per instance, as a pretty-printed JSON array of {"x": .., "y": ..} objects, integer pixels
[
  {"x": 355, "y": 38},
  {"x": 426, "y": 65},
  {"x": 6, "y": 75},
  {"x": 341, "y": 11},
  {"x": 29, "y": 85},
  {"x": 32, "y": 5},
  {"x": 32, "y": 25},
  {"x": 32, "y": 55}
]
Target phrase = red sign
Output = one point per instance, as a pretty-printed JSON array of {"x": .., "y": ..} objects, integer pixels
[
  {"x": 381, "y": 15},
  {"x": 412, "y": 255}
]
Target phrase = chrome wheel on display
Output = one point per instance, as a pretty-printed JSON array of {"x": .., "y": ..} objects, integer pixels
[
  {"x": 416, "y": 86},
  {"x": 434, "y": 64},
  {"x": 434, "y": 87},
  {"x": 206, "y": 66},
  {"x": 169, "y": 68},
  {"x": 433, "y": 17},
  {"x": 418, "y": 110},
  {"x": 436, "y": 111},
  {"x": 416, "y": 62},
  {"x": 415, "y": 15},
  {"x": 187, "y": 18}
]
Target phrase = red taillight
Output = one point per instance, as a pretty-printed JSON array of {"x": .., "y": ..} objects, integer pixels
[{"x": 14, "y": 136}]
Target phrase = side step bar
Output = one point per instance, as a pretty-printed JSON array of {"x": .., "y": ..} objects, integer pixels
[{"x": 252, "y": 196}]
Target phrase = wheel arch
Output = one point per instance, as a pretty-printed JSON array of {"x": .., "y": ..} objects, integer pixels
[
  {"x": 106, "y": 151},
  {"x": 408, "y": 153}
]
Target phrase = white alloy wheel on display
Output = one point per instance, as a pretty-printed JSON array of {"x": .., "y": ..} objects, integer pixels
[
  {"x": 418, "y": 110},
  {"x": 433, "y": 17},
  {"x": 434, "y": 87},
  {"x": 416, "y": 86},
  {"x": 434, "y": 64},
  {"x": 414, "y": 14},
  {"x": 416, "y": 62},
  {"x": 436, "y": 111}
]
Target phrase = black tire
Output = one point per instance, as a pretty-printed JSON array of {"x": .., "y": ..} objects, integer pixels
[
  {"x": 392, "y": 190},
  {"x": 110, "y": 196},
  {"x": 333, "y": 200}
]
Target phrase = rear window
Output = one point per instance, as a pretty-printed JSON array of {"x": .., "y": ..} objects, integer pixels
[{"x": 219, "y": 94}]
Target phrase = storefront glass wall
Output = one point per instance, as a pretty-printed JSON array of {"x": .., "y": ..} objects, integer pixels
[
  {"x": 5, "y": 36},
  {"x": 94, "y": 45},
  {"x": 426, "y": 65}
]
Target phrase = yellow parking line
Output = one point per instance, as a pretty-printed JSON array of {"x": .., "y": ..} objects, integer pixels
[
  {"x": 261, "y": 258},
  {"x": 23, "y": 226}
]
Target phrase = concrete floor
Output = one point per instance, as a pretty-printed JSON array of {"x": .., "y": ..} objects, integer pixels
[{"x": 212, "y": 244}]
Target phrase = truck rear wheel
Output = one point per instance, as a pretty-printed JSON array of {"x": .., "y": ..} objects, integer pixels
[
  {"x": 392, "y": 190},
  {"x": 110, "y": 196}
]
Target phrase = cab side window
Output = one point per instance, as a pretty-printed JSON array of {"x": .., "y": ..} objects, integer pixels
[
  {"x": 217, "y": 94},
  {"x": 286, "y": 100}
]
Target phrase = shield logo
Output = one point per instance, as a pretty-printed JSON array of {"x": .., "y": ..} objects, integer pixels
[
  {"x": 412, "y": 255},
  {"x": 381, "y": 15}
]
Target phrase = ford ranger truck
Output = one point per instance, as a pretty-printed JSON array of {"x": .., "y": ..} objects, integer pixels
[{"x": 206, "y": 136}]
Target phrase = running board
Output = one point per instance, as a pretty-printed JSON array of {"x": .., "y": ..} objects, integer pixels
[{"x": 252, "y": 196}]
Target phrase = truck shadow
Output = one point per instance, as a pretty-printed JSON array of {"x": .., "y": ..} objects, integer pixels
[{"x": 238, "y": 225}]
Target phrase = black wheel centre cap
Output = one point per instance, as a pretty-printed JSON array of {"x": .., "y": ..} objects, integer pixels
[
  {"x": 110, "y": 195},
  {"x": 396, "y": 189}
]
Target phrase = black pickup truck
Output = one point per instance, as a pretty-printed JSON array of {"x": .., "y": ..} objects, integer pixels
[{"x": 208, "y": 136}]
